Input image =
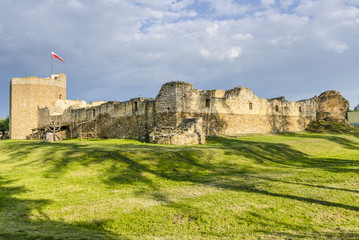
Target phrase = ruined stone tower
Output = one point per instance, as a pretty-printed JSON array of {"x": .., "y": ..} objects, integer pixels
[{"x": 29, "y": 94}]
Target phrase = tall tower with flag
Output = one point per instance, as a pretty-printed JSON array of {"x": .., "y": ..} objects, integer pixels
[{"x": 29, "y": 94}]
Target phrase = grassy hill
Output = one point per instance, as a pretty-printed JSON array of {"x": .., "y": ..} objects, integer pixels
[{"x": 291, "y": 186}]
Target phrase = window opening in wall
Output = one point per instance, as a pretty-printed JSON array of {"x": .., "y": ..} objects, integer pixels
[
  {"x": 276, "y": 108},
  {"x": 55, "y": 78},
  {"x": 250, "y": 106},
  {"x": 300, "y": 109},
  {"x": 136, "y": 106},
  {"x": 93, "y": 112},
  {"x": 208, "y": 103},
  {"x": 60, "y": 96}
]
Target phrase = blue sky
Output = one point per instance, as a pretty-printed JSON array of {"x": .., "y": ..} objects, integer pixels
[{"x": 122, "y": 49}]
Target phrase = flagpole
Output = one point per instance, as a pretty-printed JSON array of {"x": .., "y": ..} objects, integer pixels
[
  {"x": 54, "y": 55},
  {"x": 52, "y": 65}
]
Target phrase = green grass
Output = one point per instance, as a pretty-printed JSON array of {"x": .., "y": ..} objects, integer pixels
[
  {"x": 332, "y": 127},
  {"x": 290, "y": 186}
]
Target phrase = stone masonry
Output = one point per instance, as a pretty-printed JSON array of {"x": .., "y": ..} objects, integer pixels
[
  {"x": 188, "y": 132},
  {"x": 27, "y": 95},
  {"x": 332, "y": 106},
  {"x": 181, "y": 114}
]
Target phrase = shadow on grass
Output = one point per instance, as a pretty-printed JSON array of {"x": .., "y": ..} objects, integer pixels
[
  {"x": 250, "y": 189},
  {"x": 188, "y": 164},
  {"x": 303, "y": 232},
  {"x": 332, "y": 127},
  {"x": 16, "y": 222},
  {"x": 345, "y": 142},
  {"x": 286, "y": 156},
  {"x": 338, "y": 235},
  {"x": 131, "y": 164},
  {"x": 306, "y": 184}
]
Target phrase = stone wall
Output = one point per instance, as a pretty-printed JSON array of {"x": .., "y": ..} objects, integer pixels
[
  {"x": 187, "y": 133},
  {"x": 239, "y": 111},
  {"x": 332, "y": 106},
  {"x": 130, "y": 119},
  {"x": 165, "y": 119},
  {"x": 29, "y": 94}
]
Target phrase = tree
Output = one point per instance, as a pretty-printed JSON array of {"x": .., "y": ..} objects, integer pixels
[
  {"x": 356, "y": 108},
  {"x": 4, "y": 126}
]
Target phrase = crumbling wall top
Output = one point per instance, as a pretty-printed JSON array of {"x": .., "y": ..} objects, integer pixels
[
  {"x": 332, "y": 106},
  {"x": 239, "y": 92},
  {"x": 55, "y": 80}
]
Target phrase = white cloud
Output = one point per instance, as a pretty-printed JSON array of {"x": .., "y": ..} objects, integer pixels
[
  {"x": 227, "y": 7},
  {"x": 285, "y": 40},
  {"x": 267, "y": 3},
  {"x": 220, "y": 54},
  {"x": 204, "y": 53},
  {"x": 212, "y": 30},
  {"x": 240, "y": 36},
  {"x": 121, "y": 43},
  {"x": 154, "y": 4},
  {"x": 180, "y": 5},
  {"x": 328, "y": 10},
  {"x": 285, "y": 4},
  {"x": 338, "y": 47},
  {"x": 234, "y": 52},
  {"x": 75, "y": 3}
]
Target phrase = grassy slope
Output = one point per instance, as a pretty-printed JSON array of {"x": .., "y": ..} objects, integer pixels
[{"x": 267, "y": 187}]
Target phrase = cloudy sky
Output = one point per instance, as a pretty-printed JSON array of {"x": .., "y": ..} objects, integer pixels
[{"x": 122, "y": 49}]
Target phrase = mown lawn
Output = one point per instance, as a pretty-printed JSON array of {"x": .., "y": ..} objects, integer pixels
[{"x": 293, "y": 186}]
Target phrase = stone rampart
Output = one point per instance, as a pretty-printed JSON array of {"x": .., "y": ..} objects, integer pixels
[
  {"x": 239, "y": 111},
  {"x": 231, "y": 112},
  {"x": 169, "y": 117}
]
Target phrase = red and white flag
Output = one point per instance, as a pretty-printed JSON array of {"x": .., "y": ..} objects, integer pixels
[{"x": 53, "y": 54}]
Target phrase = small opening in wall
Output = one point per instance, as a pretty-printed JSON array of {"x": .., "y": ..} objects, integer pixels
[
  {"x": 300, "y": 109},
  {"x": 250, "y": 106},
  {"x": 93, "y": 112},
  {"x": 136, "y": 107},
  {"x": 276, "y": 108},
  {"x": 208, "y": 103},
  {"x": 60, "y": 97},
  {"x": 55, "y": 78}
]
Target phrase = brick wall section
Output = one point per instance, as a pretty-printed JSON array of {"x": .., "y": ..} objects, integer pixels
[{"x": 29, "y": 94}]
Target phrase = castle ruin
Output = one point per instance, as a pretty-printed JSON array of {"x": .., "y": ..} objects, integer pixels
[
  {"x": 27, "y": 96},
  {"x": 180, "y": 114}
]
